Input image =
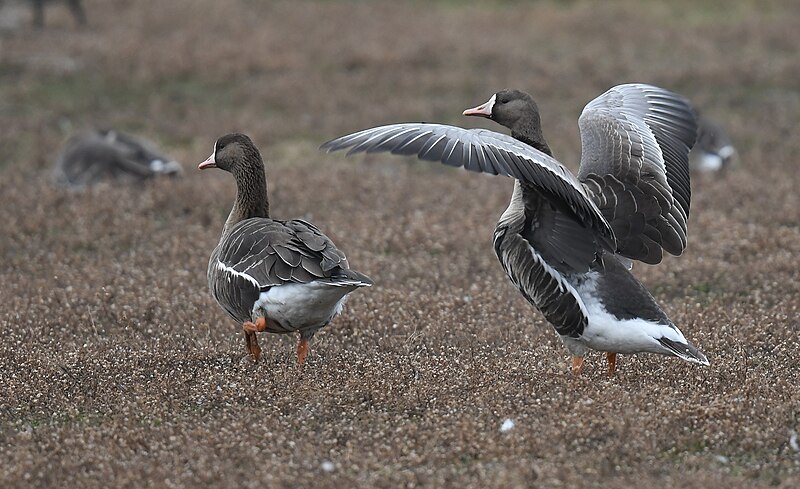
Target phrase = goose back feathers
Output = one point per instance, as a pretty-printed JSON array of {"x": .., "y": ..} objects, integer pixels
[{"x": 257, "y": 254}]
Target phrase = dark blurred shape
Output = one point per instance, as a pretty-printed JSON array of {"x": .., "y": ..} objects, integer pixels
[
  {"x": 101, "y": 155},
  {"x": 713, "y": 150},
  {"x": 74, "y": 6}
]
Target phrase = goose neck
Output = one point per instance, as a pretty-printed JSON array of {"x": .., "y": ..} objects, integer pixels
[{"x": 251, "y": 195}]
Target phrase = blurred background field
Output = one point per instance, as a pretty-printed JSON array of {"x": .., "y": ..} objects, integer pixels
[{"x": 116, "y": 365}]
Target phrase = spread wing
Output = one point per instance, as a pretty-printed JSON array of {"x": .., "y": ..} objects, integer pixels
[
  {"x": 634, "y": 163},
  {"x": 481, "y": 150}
]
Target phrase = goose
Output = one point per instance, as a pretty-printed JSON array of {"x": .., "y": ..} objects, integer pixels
[
  {"x": 713, "y": 150},
  {"x": 565, "y": 241},
  {"x": 99, "y": 155},
  {"x": 271, "y": 275}
]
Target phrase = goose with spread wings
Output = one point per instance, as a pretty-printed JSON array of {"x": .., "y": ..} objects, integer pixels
[
  {"x": 566, "y": 241},
  {"x": 267, "y": 274}
]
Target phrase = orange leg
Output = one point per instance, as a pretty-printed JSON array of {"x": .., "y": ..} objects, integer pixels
[
  {"x": 612, "y": 363},
  {"x": 251, "y": 342},
  {"x": 258, "y": 327},
  {"x": 577, "y": 365},
  {"x": 302, "y": 351},
  {"x": 251, "y": 345}
]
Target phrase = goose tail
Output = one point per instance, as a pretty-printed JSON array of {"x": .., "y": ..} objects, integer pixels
[{"x": 351, "y": 278}]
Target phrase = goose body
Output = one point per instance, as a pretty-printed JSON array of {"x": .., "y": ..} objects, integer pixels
[
  {"x": 604, "y": 308},
  {"x": 94, "y": 156},
  {"x": 566, "y": 241},
  {"x": 272, "y": 275}
]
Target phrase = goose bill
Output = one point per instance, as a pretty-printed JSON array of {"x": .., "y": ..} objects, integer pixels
[
  {"x": 208, "y": 163},
  {"x": 484, "y": 110}
]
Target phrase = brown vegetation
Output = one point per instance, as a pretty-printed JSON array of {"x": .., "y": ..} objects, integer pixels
[{"x": 116, "y": 365}]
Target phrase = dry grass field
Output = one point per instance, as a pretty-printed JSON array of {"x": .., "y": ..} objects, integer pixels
[{"x": 117, "y": 369}]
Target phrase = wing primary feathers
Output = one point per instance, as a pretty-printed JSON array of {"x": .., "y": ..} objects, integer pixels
[
  {"x": 656, "y": 128},
  {"x": 480, "y": 150}
]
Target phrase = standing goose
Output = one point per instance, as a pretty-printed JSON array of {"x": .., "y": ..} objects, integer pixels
[
  {"x": 566, "y": 242},
  {"x": 271, "y": 275}
]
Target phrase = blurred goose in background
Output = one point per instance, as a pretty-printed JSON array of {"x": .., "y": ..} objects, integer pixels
[
  {"x": 567, "y": 242},
  {"x": 713, "y": 150},
  {"x": 107, "y": 155},
  {"x": 270, "y": 275},
  {"x": 75, "y": 7}
]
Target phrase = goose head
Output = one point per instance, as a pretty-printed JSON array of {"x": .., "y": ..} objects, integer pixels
[
  {"x": 234, "y": 153},
  {"x": 517, "y": 111}
]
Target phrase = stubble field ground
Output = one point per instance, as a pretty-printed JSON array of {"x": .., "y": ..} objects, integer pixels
[{"x": 118, "y": 369}]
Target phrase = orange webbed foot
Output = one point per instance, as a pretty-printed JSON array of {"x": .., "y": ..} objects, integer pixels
[
  {"x": 302, "y": 351},
  {"x": 251, "y": 345},
  {"x": 251, "y": 342},
  {"x": 577, "y": 366},
  {"x": 612, "y": 363},
  {"x": 258, "y": 327}
]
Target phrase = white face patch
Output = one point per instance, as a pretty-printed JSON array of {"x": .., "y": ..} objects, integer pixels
[
  {"x": 157, "y": 165},
  {"x": 490, "y": 104}
]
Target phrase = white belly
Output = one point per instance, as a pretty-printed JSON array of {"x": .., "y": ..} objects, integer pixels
[
  {"x": 300, "y": 306},
  {"x": 607, "y": 333}
]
